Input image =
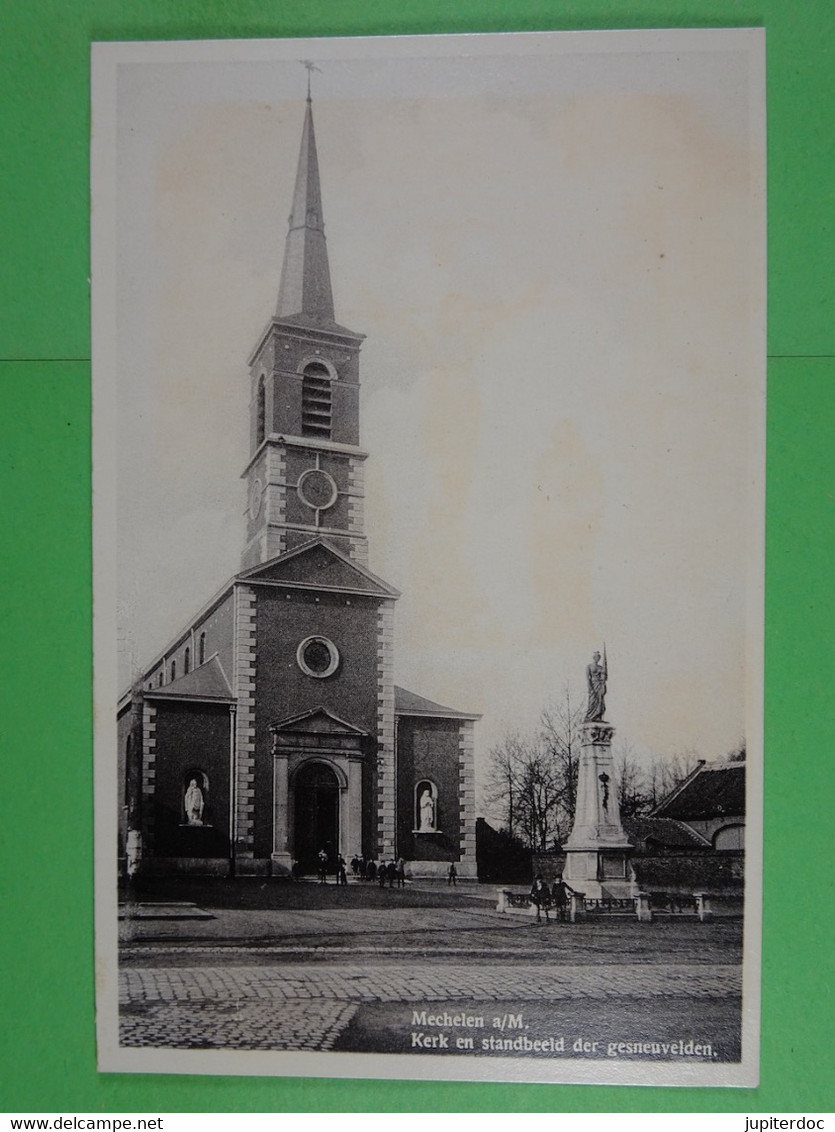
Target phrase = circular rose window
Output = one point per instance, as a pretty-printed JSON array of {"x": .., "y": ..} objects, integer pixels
[
  {"x": 317, "y": 489},
  {"x": 317, "y": 656}
]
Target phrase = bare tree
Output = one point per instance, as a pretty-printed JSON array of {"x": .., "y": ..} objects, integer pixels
[
  {"x": 634, "y": 795},
  {"x": 538, "y": 798},
  {"x": 532, "y": 780},
  {"x": 503, "y": 780},
  {"x": 561, "y": 728},
  {"x": 522, "y": 785},
  {"x": 665, "y": 773}
]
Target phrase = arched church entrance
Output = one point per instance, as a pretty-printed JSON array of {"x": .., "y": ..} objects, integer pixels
[{"x": 316, "y": 813}]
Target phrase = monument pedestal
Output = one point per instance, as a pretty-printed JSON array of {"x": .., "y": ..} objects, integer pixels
[{"x": 597, "y": 852}]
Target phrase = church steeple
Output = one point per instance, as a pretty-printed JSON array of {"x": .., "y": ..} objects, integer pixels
[
  {"x": 305, "y": 277},
  {"x": 304, "y": 474}
]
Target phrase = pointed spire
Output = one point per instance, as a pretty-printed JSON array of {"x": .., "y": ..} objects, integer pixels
[{"x": 305, "y": 277}]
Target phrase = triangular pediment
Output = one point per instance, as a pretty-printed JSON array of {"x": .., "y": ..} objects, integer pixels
[
  {"x": 319, "y": 566},
  {"x": 318, "y": 721}
]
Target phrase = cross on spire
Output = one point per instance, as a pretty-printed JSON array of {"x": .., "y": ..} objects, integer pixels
[
  {"x": 305, "y": 277},
  {"x": 311, "y": 66}
]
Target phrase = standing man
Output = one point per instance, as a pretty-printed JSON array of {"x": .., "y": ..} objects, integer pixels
[
  {"x": 541, "y": 899},
  {"x": 560, "y": 894},
  {"x": 452, "y": 876}
]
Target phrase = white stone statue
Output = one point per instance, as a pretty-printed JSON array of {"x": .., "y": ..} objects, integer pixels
[
  {"x": 596, "y": 676},
  {"x": 194, "y": 803},
  {"x": 427, "y": 812}
]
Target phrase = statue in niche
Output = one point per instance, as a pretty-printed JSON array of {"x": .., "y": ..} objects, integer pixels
[
  {"x": 194, "y": 803},
  {"x": 426, "y": 807},
  {"x": 596, "y": 674}
]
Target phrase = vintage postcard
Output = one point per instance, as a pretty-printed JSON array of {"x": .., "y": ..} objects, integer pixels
[{"x": 429, "y": 400}]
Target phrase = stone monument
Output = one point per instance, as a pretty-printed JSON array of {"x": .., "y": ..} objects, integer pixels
[{"x": 597, "y": 850}]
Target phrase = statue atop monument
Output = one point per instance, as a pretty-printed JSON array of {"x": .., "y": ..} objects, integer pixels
[{"x": 596, "y": 674}]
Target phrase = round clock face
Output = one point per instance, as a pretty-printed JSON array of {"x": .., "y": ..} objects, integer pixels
[
  {"x": 317, "y": 489},
  {"x": 317, "y": 656},
  {"x": 256, "y": 494}
]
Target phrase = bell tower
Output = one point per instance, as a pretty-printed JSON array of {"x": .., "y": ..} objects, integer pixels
[{"x": 305, "y": 472}]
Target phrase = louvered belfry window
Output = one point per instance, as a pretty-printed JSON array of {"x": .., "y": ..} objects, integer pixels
[
  {"x": 316, "y": 401},
  {"x": 261, "y": 422}
]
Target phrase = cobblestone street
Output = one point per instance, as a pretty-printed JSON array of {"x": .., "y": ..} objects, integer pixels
[
  {"x": 305, "y": 967},
  {"x": 307, "y": 1006}
]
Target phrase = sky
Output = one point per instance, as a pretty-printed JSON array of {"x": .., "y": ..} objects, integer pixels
[{"x": 555, "y": 246}]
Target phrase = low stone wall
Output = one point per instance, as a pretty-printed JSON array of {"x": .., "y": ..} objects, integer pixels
[
  {"x": 645, "y": 906},
  {"x": 518, "y": 903},
  {"x": 438, "y": 870}
]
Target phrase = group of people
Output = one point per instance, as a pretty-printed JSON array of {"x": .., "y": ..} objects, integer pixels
[
  {"x": 391, "y": 873},
  {"x": 324, "y": 868},
  {"x": 544, "y": 897},
  {"x": 383, "y": 872}
]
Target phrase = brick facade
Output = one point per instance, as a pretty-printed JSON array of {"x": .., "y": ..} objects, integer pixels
[
  {"x": 386, "y": 786},
  {"x": 244, "y": 685}
]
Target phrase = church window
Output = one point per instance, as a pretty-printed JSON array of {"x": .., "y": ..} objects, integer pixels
[
  {"x": 159, "y": 679},
  {"x": 173, "y": 670},
  {"x": 186, "y": 661},
  {"x": 201, "y": 654},
  {"x": 316, "y": 401},
  {"x": 261, "y": 412},
  {"x": 317, "y": 656},
  {"x": 317, "y": 489}
]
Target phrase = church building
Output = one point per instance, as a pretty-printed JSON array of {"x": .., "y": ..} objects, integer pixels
[{"x": 270, "y": 728}]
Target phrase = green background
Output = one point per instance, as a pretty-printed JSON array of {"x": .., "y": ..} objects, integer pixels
[{"x": 47, "y": 972}]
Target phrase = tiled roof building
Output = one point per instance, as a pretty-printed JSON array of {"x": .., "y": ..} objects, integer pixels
[{"x": 710, "y": 802}]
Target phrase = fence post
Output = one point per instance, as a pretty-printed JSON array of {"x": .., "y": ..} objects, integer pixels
[
  {"x": 703, "y": 908},
  {"x": 501, "y": 902},
  {"x": 577, "y": 906},
  {"x": 642, "y": 908}
]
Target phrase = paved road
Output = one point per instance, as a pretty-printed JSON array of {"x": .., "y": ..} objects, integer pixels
[
  {"x": 306, "y": 1006},
  {"x": 285, "y": 923}
]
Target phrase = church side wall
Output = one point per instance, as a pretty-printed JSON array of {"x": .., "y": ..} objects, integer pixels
[
  {"x": 192, "y": 741},
  {"x": 149, "y": 753},
  {"x": 219, "y": 630},
  {"x": 218, "y": 627},
  {"x": 124, "y": 723},
  {"x": 285, "y": 617},
  {"x": 429, "y": 749}
]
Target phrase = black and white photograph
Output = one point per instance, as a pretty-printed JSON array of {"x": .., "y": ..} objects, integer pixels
[{"x": 428, "y": 462}]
